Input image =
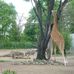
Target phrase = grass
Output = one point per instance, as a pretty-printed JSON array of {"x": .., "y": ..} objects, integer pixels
[
  {"x": 9, "y": 72},
  {"x": 5, "y": 61}
]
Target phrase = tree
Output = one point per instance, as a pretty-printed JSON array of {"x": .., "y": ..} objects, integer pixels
[
  {"x": 68, "y": 17},
  {"x": 7, "y": 18},
  {"x": 66, "y": 23},
  {"x": 44, "y": 8},
  {"x": 14, "y": 33},
  {"x": 30, "y": 32}
]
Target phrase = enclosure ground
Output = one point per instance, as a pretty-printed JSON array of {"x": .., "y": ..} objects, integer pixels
[{"x": 40, "y": 69}]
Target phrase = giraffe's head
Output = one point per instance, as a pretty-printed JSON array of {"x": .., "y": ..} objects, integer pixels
[{"x": 54, "y": 12}]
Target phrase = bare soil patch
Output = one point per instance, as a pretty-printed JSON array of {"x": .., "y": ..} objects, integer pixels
[{"x": 37, "y": 69}]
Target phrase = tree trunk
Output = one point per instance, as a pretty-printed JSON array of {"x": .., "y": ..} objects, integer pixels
[
  {"x": 43, "y": 40},
  {"x": 42, "y": 48},
  {"x": 42, "y": 45}
]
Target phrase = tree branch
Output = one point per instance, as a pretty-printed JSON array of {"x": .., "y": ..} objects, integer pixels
[
  {"x": 48, "y": 22},
  {"x": 50, "y": 8},
  {"x": 60, "y": 8},
  {"x": 38, "y": 12}
]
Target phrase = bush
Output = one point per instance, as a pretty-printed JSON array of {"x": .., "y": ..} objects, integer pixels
[
  {"x": 68, "y": 40},
  {"x": 9, "y": 72},
  {"x": 17, "y": 45}
]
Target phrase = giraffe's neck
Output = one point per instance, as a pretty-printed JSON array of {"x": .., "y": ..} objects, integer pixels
[{"x": 55, "y": 26}]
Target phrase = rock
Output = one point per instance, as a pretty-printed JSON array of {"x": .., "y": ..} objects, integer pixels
[
  {"x": 17, "y": 55},
  {"x": 30, "y": 52}
]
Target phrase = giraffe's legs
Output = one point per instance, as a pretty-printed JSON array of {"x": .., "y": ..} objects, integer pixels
[
  {"x": 64, "y": 58},
  {"x": 62, "y": 51},
  {"x": 52, "y": 58},
  {"x": 55, "y": 53}
]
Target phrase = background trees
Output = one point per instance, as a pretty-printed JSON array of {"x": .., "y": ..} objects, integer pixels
[
  {"x": 67, "y": 17},
  {"x": 8, "y": 26},
  {"x": 7, "y": 19},
  {"x": 37, "y": 29}
]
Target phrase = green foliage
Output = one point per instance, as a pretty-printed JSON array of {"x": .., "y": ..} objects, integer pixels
[
  {"x": 66, "y": 23},
  {"x": 18, "y": 45},
  {"x": 67, "y": 39},
  {"x": 31, "y": 31},
  {"x": 9, "y": 72},
  {"x": 7, "y": 19},
  {"x": 10, "y": 36},
  {"x": 9, "y": 31},
  {"x": 14, "y": 34},
  {"x": 68, "y": 16},
  {"x": 56, "y": 5}
]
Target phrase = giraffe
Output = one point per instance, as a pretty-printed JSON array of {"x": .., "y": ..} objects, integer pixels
[{"x": 57, "y": 38}]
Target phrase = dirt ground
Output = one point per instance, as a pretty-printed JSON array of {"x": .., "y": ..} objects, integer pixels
[{"x": 40, "y": 69}]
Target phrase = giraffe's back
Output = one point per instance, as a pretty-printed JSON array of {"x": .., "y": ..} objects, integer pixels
[{"x": 57, "y": 38}]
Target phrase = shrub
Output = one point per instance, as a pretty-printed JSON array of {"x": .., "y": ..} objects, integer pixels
[
  {"x": 68, "y": 40},
  {"x": 17, "y": 45},
  {"x": 9, "y": 72}
]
